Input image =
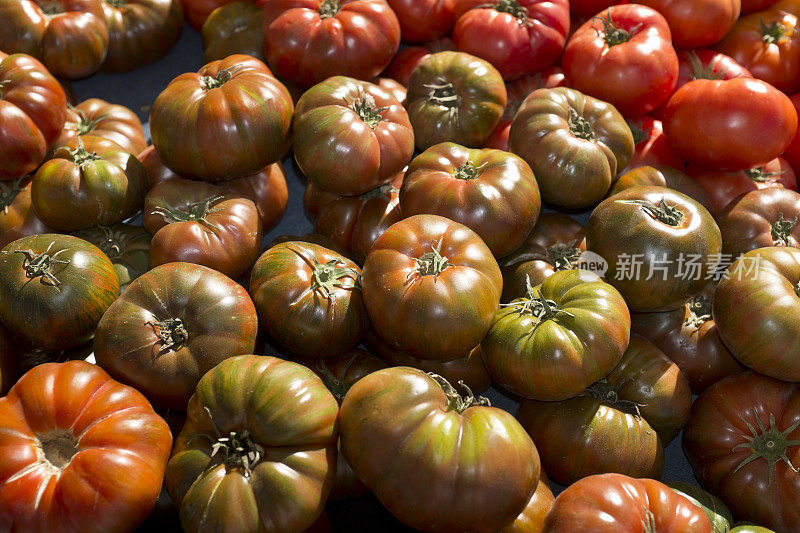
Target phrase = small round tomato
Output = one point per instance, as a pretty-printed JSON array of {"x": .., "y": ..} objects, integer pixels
[
  {"x": 661, "y": 176},
  {"x": 17, "y": 217},
  {"x": 650, "y": 145},
  {"x": 697, "y": 23},
  {"x": 424, "y": 20},
  {"x": 127, "y": 246},
  {"x": 761, "y": 218},
  {"x": 234, "y": 28},
  {"x": 98, "y": 118}
]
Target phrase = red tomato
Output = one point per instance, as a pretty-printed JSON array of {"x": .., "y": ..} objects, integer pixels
[
  {"x": 589, "y": 8},
  {"x": 407, "y": 59},
  {"x": 751, "y": 6},
  {"x": 651, "y": 146},
  {"x": 197, "y": 11},
  {"x": 625, "y": 57},
  {"x": 516, "y": 36},
  {"x": 792, "y": 152},
  {"x": 697, "y": 23},
  {"x": 423, "y": 20}
]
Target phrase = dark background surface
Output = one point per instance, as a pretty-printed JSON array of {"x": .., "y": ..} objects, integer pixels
[{"x": 138, "y": 90}]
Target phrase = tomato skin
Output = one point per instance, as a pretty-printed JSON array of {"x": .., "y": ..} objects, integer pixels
[
  {"x": 697, "y": 23},
  {"x": 792, "y": 152},
  {"x": 416, "y": 303},
  {"x": 651, "y": 148},
  {"x": 119, "y": 441},
  {"x": 636, "y": 75},
  {"x": 234, "y": 28},
  {"x": 753, "y": 123},
  {"x": 424, "y": 20},
  {"x": 446, "y": 482},
  {"x": 492, "y": 192},
  {"x": 17, "y": 217},
  {"x": 661, "y": 176},
  {"x": 515, "y": 43},
  {"x": 33, "y": 108},
  {"x": 343, "y": 144},
  {"x": 99, "y": 118},
  {"x": 128, "y": 342},
  {"x": 610, "y": 503},
  {"x": 125, "y": 245},
  {"x": 720, "y": 437},
  {"x": 407, "y": 59},
  {"x": 198, "y": 11},
  {"x": 234, "y": 102},
  {"x": 759, "y": 219},
  {"x": 309, "y": 41},
  {"x": 751, "y": 6},
  {"x": 589, "y": 8},
  {"x": 531, "y": 520}
]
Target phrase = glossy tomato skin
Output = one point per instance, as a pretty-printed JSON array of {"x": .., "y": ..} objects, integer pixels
[
  {"x": 527, "y": 352},
  {"x": 89, "y": 182},
  {"x": 517, "y": 37},
  {"x": 759, "y": 219},
  {"x": 68, "y": 288},
  {"x": 733, "y": 422},
  {"x": 117, "y": 438},
  {"x": 697, "y": 23},
  {"x": 437, "y": 484},
  {"x": 407, "y": 59},
  {"x": 424, "y": 20},
  {"x": 761, "y": 294},
  {"x": 309, "y": 299},
  {"x": 574, "y": 143},
  {"x": 350, "y": 136},
  {"x": 492, "y": 192},
  {"x": 99, "y": 118},
  {"x": 33, "y": 108},
  {"x": 235, "y": 103},
  {"x": 650, "y": 145},
  {"x": 282, "y": 414},
  {"x": 650, "y": 236},
  {"x": 792, "y": 152},
  {"x": 126, "y": 245},
  {"x": 610, "y": 503},
  {"x": 464, "y": 107},
  {"x": 661, "y": 176},
  {"x": 308, "y": 41},
  {"x": 201, "y": 223},
  {"x": 532, "y": 517},
  {"x": 234, "y": 28},
  {"x": 753, "y": 123},
  {"x": 422, "y": 304},
  {"x": 634, "y": 67},
  {"x": 170, "y": 326},
  {"x": 17, "y": 217}
]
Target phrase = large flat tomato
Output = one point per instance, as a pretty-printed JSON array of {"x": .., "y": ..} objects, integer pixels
[
  {"x": 436, "y": 460},
  {"x": 309, "y": 299},
  {"x": 54, "y": 289},
  {"x": 424, "y": 20},
  {"x": 518, "y": 37},
  {"x": 623, "y": 56},
  {"x": 233, "y": 103},
  {"x": 661, "y": 176},
  {"x": 308, "y": 41},
  {"x": 431, "y": 287},
  {"x": 492, "y": 192},
  {"x": 172, "y": 325},
  {"x": 17, "y": 217},
  {"x": 99, "y": 118},
  {"x": 234, "y": 28},
  {"x": 697, "y": 23},
  {"x": 350, "y": 136},
  {"x": 407, "y": 59},
  {"x": 258, "y": 447},
  {"x": 559, "y": 338},
  {"x": 81, "y": 452},
  {"x": 127, "y": 246},
  {"x": 761, "y": 218},
  {"x": 611, "y": 503},
  {"x": 33, "y": 108},
  {"x": 650, "y": 145},
  {"x": 756, "y": 311},
  {"x": 743, "y": 442},
  {"x": 454, "y": 97},
  {"x": 574, "y": 143},
  {"x": 69, "y": 36}
]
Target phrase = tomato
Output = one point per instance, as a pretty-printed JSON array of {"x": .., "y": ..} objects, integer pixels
[
  {"x": 8, "y": 360},
  {"x": 235, "y": 103},
  {"x": 532, "y": 517},
  {"x": 612, "y": 502},
  {"x": 69, "y": 36},
  {"x": 127, "y": 246},
  {"x": 431, "y": 287},
  {"x": 234, "y": 29},
  {"x": 762, "y": 294},
  {"x": 350, "y": 136},
  {"x": 82, "y": 452},
  {"x": 170, "y": 326},
  {"x": 661, "y": 176},
  {"x": 556, "y": 243},
  {"x": 650, "y": 145},
  {"x": 470, "y": 467},
  {"x": 588, "y": 8},
  {"x": 742, "y": 441},
  {"x": 751, "y": 121},
  {"x": 258, "y": 447},
  {"x": 309, "y": 299},
  {"x": 716, "y": 511},
  {"x": 660, "y": 246},
  {"x": 393, "y": 87},
  {"x": 354, "y": 222},
  {"x": 688, "y": 335},
  {"x": 308, "y": 41},
  {"x": 90, "y": 181},
  {"x": 54, "y": 289},
  {"x": 454, "y": 97},
  {"x": 17, "y": 217},
  {"x": 492, "y": 192},
  {"x": 697, "y": 23},
  {"x": 98, "y": 118},
  {"x": 792, "y": 152},
  {"x": 33, "y": 108},
  {"x": 313, "y": 238},
  {"x": 424, "y": 20},
  {"x": 140, "y": 31},
  {"x": 751, "y": 6},
  {"x": 198, "y": 11},
  {"x": 518, "y": 37},
  {"x": 559, "y": 338},
  {"x": 623, "y": 56},
  {"x": 574, "y": 143},
  {"x": 407, "y": 59}
]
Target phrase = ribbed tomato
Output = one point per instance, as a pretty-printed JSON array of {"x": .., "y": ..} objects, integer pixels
[
  {"x": 126, "y": 246},
  {"x": 760, "y": 218},
  {"x": 697, "y": 23},
  {"x": 650, "y": 146},
  {"x": 17, "y": 217},
  {"x": 234, "y": 28},
  {"x": 424, "y": 20},
  {"x": 99, "y": 118},
  {"x": 661, "y": 176}
]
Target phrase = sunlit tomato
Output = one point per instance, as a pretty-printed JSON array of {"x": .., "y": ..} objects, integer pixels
[
  {"x": 651, "y": 146},
  {"x": 588, "y": 8},
  {"x": 407, "y": 59},
  {"x": 697, "y": 23},
  {"x": 759, "y": 219},
  {"x": 424, "y": 20},
  {"x": 99, "y": 118},
  {"x": 661, "y": 176}
]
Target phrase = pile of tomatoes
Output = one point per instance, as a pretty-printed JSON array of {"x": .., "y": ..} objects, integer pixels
[{"x": 590, "y": 205}]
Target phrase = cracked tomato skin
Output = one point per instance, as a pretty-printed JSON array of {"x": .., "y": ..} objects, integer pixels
[
  {"x": 731, "y": 426},
  {"x": 112, "y": 481}
]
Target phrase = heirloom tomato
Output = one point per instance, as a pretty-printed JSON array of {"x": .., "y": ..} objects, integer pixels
[
  {"x": 17, "y": 217},
  {"x": 697, "y": 23},
  {"x": 588, "y": 8},
  {"x": 198, "y": 11},
  {"x": 170, "y": 326},
  {"x": 532, "y": 517},
  {"x": 393, "y": 87},
  {"x": 234, "y": 29},
  {"x": 424, "y": 20},
  {"x": 650, "y": 145},
  {"x": 127, "y": 246},
  {"x": 717, "y": 512},
  {"x": 313, "y": 238},
  {"x": 661, "y": 176},
  {"x": 760, "y": 218},
  {"x": 407, "y": 59},
  {"x": 98, "y": 118}
]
